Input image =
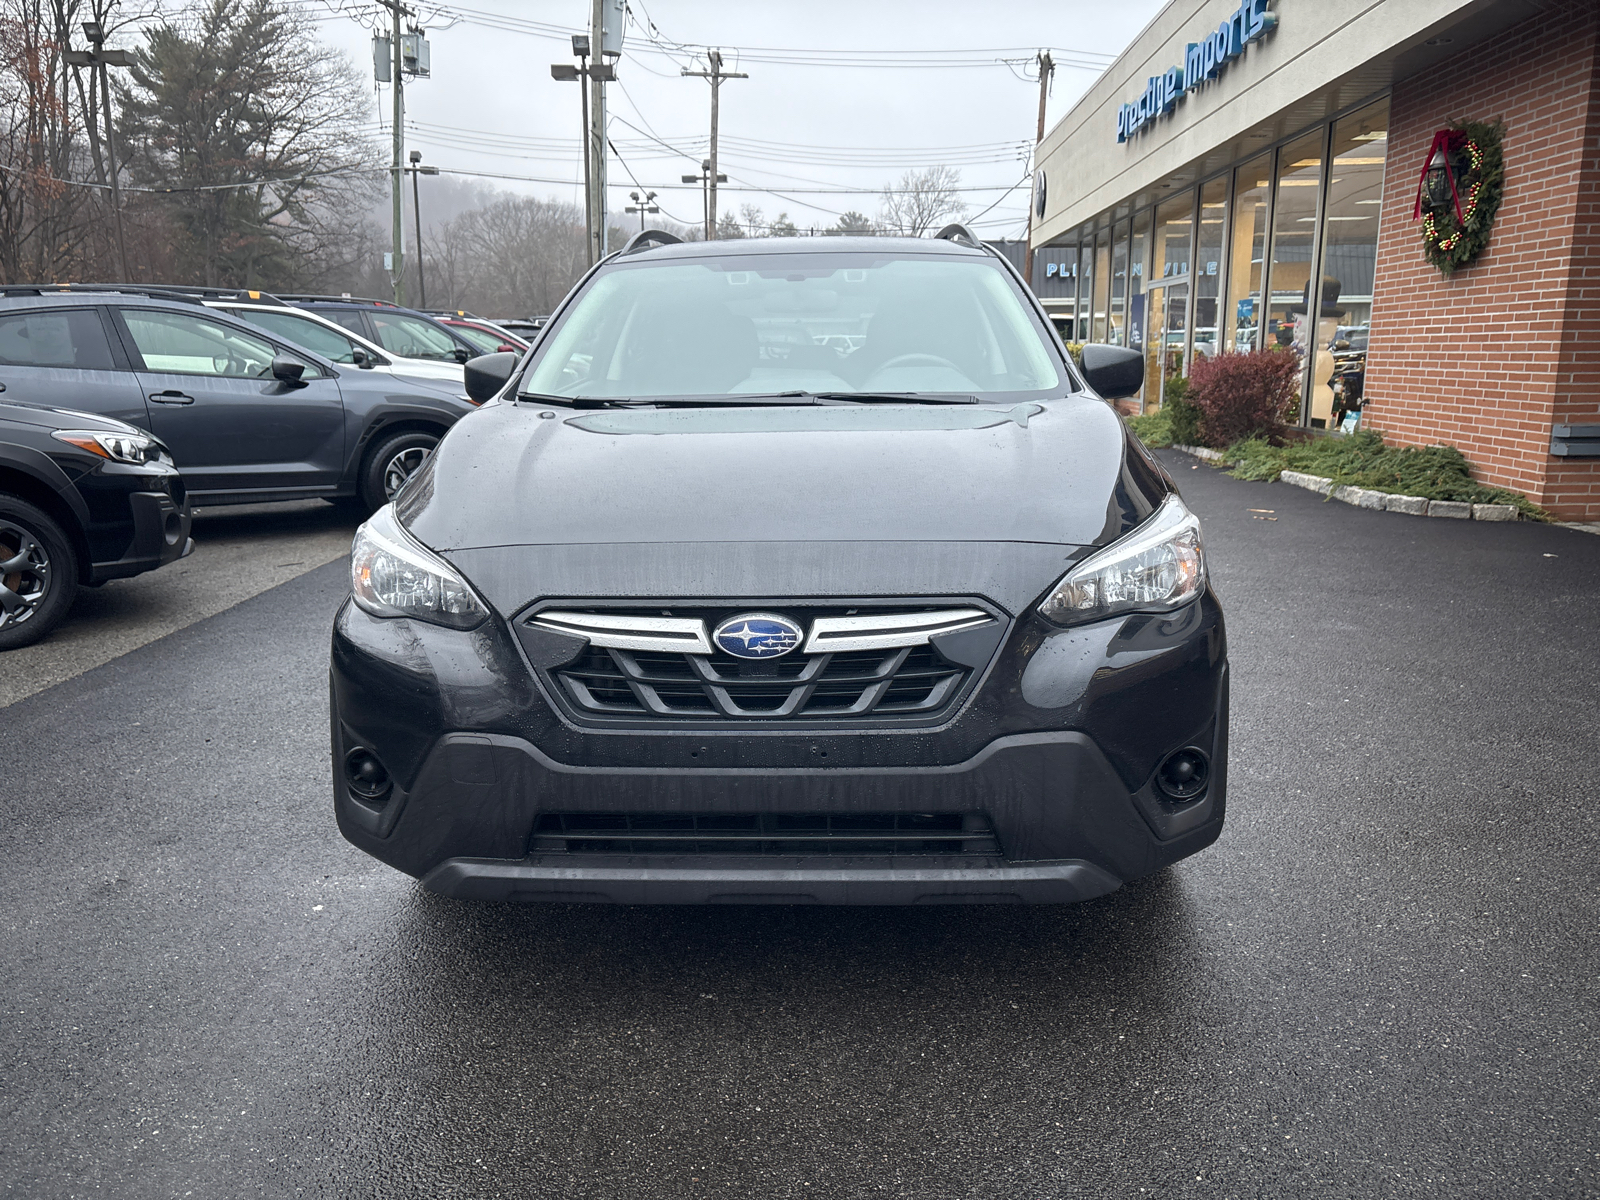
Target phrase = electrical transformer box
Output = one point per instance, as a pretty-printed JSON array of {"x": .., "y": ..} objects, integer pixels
[{"x": 414, "y": 54}]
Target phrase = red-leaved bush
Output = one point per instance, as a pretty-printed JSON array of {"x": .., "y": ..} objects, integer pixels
[{"x": 1242, "y": 394}]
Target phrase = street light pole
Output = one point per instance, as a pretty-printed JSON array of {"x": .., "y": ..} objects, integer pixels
[
  {"x": 643, "y": 206},
  {"x": 582, "y": 74},
  {"x": 416, "y": 168},
  {"x": 704, "y": 179},
  {"x": 102, "y": 58}
]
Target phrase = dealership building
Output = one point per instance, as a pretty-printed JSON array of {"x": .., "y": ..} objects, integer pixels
[{"x": 1247, "y": 175}]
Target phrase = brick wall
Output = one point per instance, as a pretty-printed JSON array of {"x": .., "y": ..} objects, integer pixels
[{"x": 1488, "y": 359}]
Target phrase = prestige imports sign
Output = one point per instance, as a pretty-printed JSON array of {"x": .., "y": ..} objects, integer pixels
[{"x": 1202, "y": 60}]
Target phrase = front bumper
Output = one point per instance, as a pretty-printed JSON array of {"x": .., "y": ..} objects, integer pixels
[
  {"x": 161, "y": 525},
  {"x": 1057, "y": 749}
]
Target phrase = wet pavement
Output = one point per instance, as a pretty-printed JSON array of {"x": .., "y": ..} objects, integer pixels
[{"x": 1380, "y": 982}]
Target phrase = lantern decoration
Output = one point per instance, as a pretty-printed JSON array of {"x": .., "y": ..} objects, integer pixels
[{"x": 1459, "y": 193}]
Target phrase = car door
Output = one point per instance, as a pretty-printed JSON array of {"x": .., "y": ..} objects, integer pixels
[
  {"x": 231, "y": 426},
  {"x": 63, "y": 357}
]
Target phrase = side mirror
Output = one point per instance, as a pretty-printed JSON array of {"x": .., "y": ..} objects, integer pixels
[
  {"x": 487, "y": 374},
  {"x": 1113, "y": 371},
  {"x": 507, "y": 348},
  {"x": 462, "y": 355},
  {"x": 361, "y": 358},
  {"x": 287, "y": 370}
]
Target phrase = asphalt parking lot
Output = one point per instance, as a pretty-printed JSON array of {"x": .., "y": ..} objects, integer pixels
[{"x": 1381, "y": 982}]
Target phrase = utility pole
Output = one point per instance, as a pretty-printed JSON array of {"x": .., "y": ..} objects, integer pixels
[
  {"x": 642, "y": 205},
  {"x": 707, "y": 182},
  {"x": 102, "y": 58},
  {"x": 397, "y": 237},
  {"x": 716, "y": 75},
  {"x": 1047, "y": 66},
  {"x": 416, "y": 168}
]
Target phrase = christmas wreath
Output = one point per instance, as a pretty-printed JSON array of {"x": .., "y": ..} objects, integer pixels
[{"x": 1459, "y": 193}]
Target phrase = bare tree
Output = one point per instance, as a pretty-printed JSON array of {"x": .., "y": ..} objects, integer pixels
[{"x": 922, "y": 201}]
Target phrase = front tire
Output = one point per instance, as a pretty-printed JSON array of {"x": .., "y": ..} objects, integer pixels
[
  {"x": 391, "y": 464},
  {"x": 38, "y": 573}
]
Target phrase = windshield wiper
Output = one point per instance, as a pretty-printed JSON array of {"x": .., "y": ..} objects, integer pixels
[
  {"x": 706, "y": 401},
  {"x": 892, "y": 398}
]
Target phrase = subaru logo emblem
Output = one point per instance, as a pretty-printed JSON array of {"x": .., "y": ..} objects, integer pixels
[{"x": 757, "y": 635}]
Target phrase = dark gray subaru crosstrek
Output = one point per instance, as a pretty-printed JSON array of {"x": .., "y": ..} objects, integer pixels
[{"x": 791, "y": 571}]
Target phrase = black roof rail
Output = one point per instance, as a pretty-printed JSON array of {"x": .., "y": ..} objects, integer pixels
[
  {"x": 312, "y": 297},
  {"x": 646, "y": 238},
  {"x": 460, "y": 313},
  {"x": 152, "y": 290},
  {"x": 197, "y": 292},
  {"x": 959, "y": 233}
]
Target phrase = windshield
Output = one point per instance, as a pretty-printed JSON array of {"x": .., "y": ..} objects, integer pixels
[{"x": 816, "y": 323}]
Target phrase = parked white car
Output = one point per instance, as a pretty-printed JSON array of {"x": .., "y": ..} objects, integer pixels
[{"x": 316, "y": 332}]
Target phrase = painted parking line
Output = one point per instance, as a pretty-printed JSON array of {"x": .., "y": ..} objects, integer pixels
[{"x": 239, "y": 552}]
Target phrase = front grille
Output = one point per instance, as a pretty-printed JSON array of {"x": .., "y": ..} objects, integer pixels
[
  {"x": 797, "y": 835},
  {"x": 904, "y": 682}
]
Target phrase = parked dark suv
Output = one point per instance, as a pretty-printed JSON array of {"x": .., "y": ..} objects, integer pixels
[
  {"x": 247, "y": 416},
  {"x": 83, "y": 499},
  {"x": 802, "y": 570}
]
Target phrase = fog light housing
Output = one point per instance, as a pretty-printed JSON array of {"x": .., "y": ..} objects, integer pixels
[
  {"x": 1183, "y": 774},
  {"x": 365, "y": 776}
]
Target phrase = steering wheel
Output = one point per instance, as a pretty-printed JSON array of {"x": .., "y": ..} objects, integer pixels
[{"x": 907, "y": 360}]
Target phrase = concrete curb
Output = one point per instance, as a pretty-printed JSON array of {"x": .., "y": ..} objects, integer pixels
[{"x": 1415, "y": 506}]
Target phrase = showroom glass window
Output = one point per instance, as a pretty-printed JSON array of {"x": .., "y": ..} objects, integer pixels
[
  {"x": 1174, "y": 234},
  {"x": 1102, "y": 283},
  {"x": 1208, "y": 265},
  {"x": 1247, "y": 256},
  {"x": 1349, "y": 264},
  {"x": 1138, "y": 253},
  {"x": 1294, "y": 230},
  {"x": 1119, "y": 283},
  {"x": 1085, "y": 285}
]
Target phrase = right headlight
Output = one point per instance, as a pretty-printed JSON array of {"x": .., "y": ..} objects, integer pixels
[
  {"x": 1158, "y": 567},
  {"x": 394, "y": 575}
]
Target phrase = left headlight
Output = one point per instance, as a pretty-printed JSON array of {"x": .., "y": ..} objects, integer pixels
[
  {"x": 394, "y": 575},
  {"x": 1158, "y": 567},
  {"x": 133, "y": 448}
]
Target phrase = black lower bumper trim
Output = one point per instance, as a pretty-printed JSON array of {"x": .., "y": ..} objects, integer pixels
[{"x": 498, "y": 879}]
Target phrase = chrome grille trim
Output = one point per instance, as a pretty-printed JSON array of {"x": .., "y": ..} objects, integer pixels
[
  {"x": 683, "y": 635},
  {"x": 828, "y": 635},
  {"x": 888, "y": 631}
]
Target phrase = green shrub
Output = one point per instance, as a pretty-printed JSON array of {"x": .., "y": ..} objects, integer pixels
[
  {"x": 1076, "y": 350},
  {"x": 1363, "y": 460},
  {"x": 1243, "y": 395},
  {"x": 1182, "y": 415},
  {"x": 1153, "y": 429}
]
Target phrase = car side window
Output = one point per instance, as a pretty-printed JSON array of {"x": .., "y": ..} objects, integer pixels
[
  {"x": 411, "y": 338},
  {"x": 303, "y": 331},
  {"x": 71, "y": 337},
  {"x": 183, "y": 344},
  {"x": 350, "y": 320}
]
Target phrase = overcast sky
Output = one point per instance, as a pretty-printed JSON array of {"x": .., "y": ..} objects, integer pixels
[{"x": 791, "y": 128}]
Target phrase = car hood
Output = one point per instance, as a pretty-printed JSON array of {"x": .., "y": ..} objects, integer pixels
[
  {"x": 48, "y": 417},
  {"x": 907, "y": 499}
]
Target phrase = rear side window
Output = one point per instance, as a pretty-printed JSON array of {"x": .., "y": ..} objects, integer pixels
[
  {"x": 179, "y": 343},
  {"x": 55, "y": 338},
  {"x": 302, "y": 331},
  {"x": 413, "y": 338}
]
